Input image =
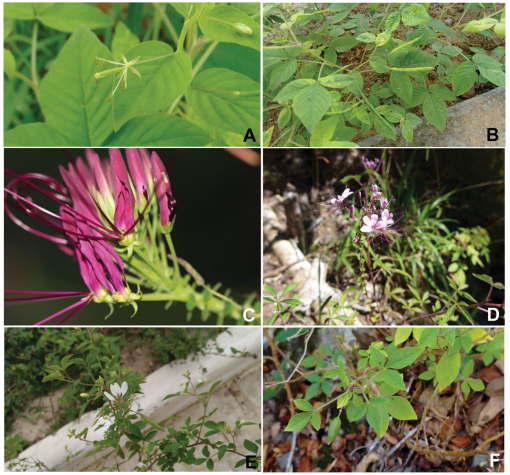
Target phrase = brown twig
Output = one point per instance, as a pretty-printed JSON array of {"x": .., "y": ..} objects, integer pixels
[{"x": 274, "y": 351}]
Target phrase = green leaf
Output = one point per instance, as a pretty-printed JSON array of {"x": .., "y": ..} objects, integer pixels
[
  {"x": 344, "y": 43},
  {"x": 312, "y": 390},
  {"x": 476, "y": 26},
  {"x": 316, "y": 421},
  {"x": 162, "y": 82},
  {"x": 290, "y": 90},
  {"x": 250, "y": 446},
  {"x": 464, "y": 78},
  {"x": 324, "y": 131},
  {"x": 19, "y": 11},
  {"x": 221, "y": 96},
  {"x": 334, "y": 429},
  {"x": 394, "y": 379},
  {"x": 467, "y": 370},
  {"x": 85, "y": 117},
  {"x": 442, "y": 91},
  {"x": 9, "y": 63},
  {"x": 494, "y": 75},
  {"x": 402, "y": 334},
  {"x": 378, "y": 418},
  {"x": 69, "y": 17},
  {"x": 464, "y": 387},
  {"x": 407, "y": 131},
  {"x": 151, "y": 422},
  {"x": 123, "y": 40},
  {"x": 267, "y": 136},
  {"x": 354, "y": 413},
  {"x": 210, "y": 464},
  {"x": 447, "y": 369},
  {"x": 310, "y": 105},
  {"x": 382, "y": 38},
  {"x": 303, "y": 405},
  {"x": 476, "y": 384},
  {"x": 159, "y": 130},
  {"x": 218, "y": 24},
  {"x": 414, "y": 14},
  {"x": 289, "y": 287},
  {"x": 403, "y": 357},
  {"x": 284, "y": 117},
  {"x": 427, "y": 376},
  {"x": 384, "y": 128},
  {"x": 401, "y": 409},
  {"x": 282, "y": 72},
  {"x": 298, "y": 421},
  {"x": 343, "y": 400},
  {"x": 366, "y": 37},
  {"x": 337, "y": 80},
  {"x": 488, "y": 279},
  {"x": 435, "y": 111},
  {"x": 499, "y": 29},
  {"x": 393, "y": 21},
  {"x": 135, "y": 430}
]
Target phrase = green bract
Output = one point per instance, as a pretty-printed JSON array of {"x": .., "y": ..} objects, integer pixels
[
  {"x": 321, "y": 63},
  {"x": 80, "y": 76}
]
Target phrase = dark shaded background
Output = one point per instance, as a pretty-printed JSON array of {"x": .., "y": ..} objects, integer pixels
[
  {"x": 217, "y": 230},
  {"x": 315, "y": 172}
]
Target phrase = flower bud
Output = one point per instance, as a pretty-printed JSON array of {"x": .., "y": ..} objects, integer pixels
[
  {"x": 243, "y": 29},
  {"x": 352, "y": 211},
  {"x": 84, "y": 395}
]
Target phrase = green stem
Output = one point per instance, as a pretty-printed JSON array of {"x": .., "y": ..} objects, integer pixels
[
  {"x": 167, "y": 22},
  {"x": 35, "y": 79},
  {"x": 177, "y": 276},
  {"x": 155, "y": 268}
]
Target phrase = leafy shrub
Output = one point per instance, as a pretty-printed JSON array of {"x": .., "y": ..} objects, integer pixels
[
  {"x": 29, "y": 350},
  {"x": 325, "y": 59},
  {"x": 373, "y": 385},
  {"x": 133, "y": 75}
]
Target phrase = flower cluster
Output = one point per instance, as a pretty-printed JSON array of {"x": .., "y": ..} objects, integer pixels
[
  {"x": 103, "y": 214},
  {"x": 376, "y": 220}
]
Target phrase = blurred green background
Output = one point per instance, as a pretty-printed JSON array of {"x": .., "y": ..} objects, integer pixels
[{"x": 217, "y": 231}]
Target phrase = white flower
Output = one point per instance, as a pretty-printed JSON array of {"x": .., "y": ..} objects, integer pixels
[
  {"x": 117, "y": 391},
  {"x": 341, "y": 198},
  {"x": 386, "y": 219},
  {"x": 371, "y": 224}
]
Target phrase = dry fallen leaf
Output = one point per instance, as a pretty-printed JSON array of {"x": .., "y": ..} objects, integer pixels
[
  {"x": 491, "y": 372},
  {"x": 461, "y": 441},
  {"x": 496, "y": 388},
  {"x": 493, "y": 407}
]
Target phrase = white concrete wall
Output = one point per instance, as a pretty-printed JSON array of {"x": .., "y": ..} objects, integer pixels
[{"x": 163, "y": 381}]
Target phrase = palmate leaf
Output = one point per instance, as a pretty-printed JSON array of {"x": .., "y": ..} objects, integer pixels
[
  {"x": 70, "y": 100},
  {"x": 223, "y": 97},
  {"x": 162, "y": 82}
]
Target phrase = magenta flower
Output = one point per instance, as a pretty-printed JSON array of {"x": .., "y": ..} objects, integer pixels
[
  {"x": 101, "y": 206},
  {"x": 167, "y": 203}
]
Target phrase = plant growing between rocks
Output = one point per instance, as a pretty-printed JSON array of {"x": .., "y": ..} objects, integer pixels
[
  {"x": 398, "y": 254},
  {"x": 334, "y": 74},
  {"x": 182, "y": 74}
]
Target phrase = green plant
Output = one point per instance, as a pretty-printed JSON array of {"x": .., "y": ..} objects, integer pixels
[
  {"x": 375, "y": 386},
  {"x": 282, "y": 307},
  {"x": 183, "y": 74},
  {"x": 104, "y": 381},
  {"x": 326, "y": 60}
]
